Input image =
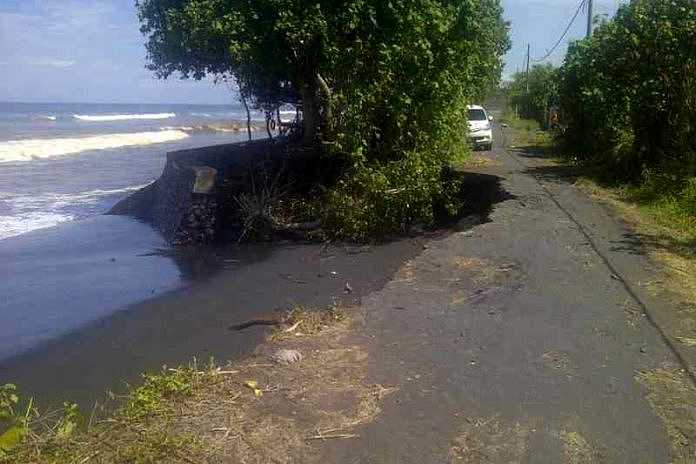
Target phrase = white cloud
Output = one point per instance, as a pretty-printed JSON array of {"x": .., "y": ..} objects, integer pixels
[{"x": 52, "y": 62}]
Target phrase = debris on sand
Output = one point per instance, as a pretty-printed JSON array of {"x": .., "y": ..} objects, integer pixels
[
  {"x": 285, "y": 356},
  {"x": 254, "y": 386}
]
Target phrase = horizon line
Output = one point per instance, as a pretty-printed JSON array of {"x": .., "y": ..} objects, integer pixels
[{"x": 46, "y": 102}]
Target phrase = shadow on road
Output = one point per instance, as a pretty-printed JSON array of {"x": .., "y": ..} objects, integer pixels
[{"x": 480, "y": 192}]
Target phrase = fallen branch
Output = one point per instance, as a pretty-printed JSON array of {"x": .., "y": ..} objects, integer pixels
[
  {"x": 255, "y": 322},
  {"x": 293, "y": 327}
]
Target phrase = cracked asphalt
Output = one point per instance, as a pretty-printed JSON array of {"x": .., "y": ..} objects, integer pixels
[{"x": 519, "y": 339}]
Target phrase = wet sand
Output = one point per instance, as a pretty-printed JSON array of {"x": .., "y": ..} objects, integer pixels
[{"x": 135, "y": 305}]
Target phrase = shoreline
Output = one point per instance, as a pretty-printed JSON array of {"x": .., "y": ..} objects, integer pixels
[{"x": 216, "y": 287}]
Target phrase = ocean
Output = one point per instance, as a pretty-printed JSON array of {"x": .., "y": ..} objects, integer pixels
[{"x": 68, "y": 162}]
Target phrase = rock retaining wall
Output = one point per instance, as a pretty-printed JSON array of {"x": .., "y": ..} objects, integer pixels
[{"x": 184, "y": 204}]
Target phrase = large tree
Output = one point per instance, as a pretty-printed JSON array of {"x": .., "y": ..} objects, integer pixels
[
  {"x": 308, "y": 51},
  {"x": 379, "y": 82}
]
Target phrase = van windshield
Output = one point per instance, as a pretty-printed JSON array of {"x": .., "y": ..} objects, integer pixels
[{"x": 477, "y": 115}]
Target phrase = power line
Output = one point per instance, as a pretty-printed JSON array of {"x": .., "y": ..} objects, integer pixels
[{"x": 572, "y": 21}]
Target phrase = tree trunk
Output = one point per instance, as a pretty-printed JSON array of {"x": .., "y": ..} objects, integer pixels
[
  {"x": 310, "y": 114},
  {"x": 279, "y": 123},
  {"x": 327, "y": 102},
  {"x": 269, "y": 117}
]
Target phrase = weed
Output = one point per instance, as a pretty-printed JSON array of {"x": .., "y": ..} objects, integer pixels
[{"x": 149, "y": 397}]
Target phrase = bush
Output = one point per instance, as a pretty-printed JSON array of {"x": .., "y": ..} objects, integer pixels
[
  {"x": 628, "y": 93},
  {"x": 378, "y": 200},
  {"x": 542, "y": 95}
]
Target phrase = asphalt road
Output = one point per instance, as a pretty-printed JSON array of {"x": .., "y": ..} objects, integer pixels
[{"x": 520, "y": 339}]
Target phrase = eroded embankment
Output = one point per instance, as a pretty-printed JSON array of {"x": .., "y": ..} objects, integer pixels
[{"x": 185, "y": 204}]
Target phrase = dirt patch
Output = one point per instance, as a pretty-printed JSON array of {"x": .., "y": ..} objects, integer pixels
[
  {"x": 406, "y": 274},
  {"x": 466, "y": 263},
  {"x": 484, "y": 272},
  {"x": 323, "y": 397},
  {"x": 477, "y": 161},
  {"x": 673, "y": 398},
  {"x": 577, "y": 448},
  {"x": 488, "y": 440}
]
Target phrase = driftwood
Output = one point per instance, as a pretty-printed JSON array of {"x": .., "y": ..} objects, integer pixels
[{"x": 255, "y": 322}]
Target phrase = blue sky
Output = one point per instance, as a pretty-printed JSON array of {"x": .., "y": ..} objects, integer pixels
[{"x": 92, "y": 50}]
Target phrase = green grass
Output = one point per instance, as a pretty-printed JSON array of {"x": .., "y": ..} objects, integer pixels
[
  {"x": 526, "y": 135},
  {"x": 671, "y": 203},
  {"x": 137, "y": 432},
  {"x": 663, "y": 204}
]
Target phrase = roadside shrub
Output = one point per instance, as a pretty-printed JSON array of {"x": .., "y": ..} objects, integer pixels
[
  {"x": 378, "y": 200},
  {"x": 688, "y": 196},
  {"x": 402, "y": 117},
  {"x": 627, "y": 93}
]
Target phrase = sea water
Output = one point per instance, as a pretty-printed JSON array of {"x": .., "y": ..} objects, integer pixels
[{"x": 66, "y": 162}]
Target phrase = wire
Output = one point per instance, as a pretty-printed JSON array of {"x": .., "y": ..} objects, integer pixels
[{"x": 572, "y": 21}]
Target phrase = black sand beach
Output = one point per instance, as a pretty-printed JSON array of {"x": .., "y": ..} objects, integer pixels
[{"x": 108, "y": 300}]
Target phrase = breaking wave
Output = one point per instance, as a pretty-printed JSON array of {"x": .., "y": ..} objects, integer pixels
[
  {"x": 61, "y": 200},
  {"x": 122, "y": 117},
  {"x": 31, "y": 212},
  {"x": 27, "y": 150}
]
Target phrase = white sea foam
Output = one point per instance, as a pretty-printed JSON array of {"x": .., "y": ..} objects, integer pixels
[
  {"x": 122, "y": 117},
  {"x": 11, "y": 226},
  {"x": 48, "y": 118},
  {"x": 31, "y": 212},
  {"x": 60, "y": 200},
  {"x": 26, "y": 150}
]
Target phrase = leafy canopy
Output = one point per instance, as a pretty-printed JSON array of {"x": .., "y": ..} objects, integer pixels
[
  {"x": 629, "y": 91},
  {"x": 384, "y": 84},
  {"x": 542, "y": 94}
]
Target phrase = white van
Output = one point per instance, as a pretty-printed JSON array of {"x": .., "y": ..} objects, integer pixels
[{"x": 480, "y": 130}]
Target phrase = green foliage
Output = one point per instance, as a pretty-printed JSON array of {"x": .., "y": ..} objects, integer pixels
[
  {"x": 149, "y": 397},
  {"x": 13, "y": 425},
  {"x": 542, "y": 95},
  {"x": 131, "y": 434},
  {"x": 383, "y": 85},
  {"x": 628, "y": 93},
  {"x": 8, "y": 401},
  {"x": 378, "y": 200}
]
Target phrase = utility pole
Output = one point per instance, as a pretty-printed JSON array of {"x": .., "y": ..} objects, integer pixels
[
  {"x": 590, "y": 14},
  {"x": 527, "y": 74}
]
